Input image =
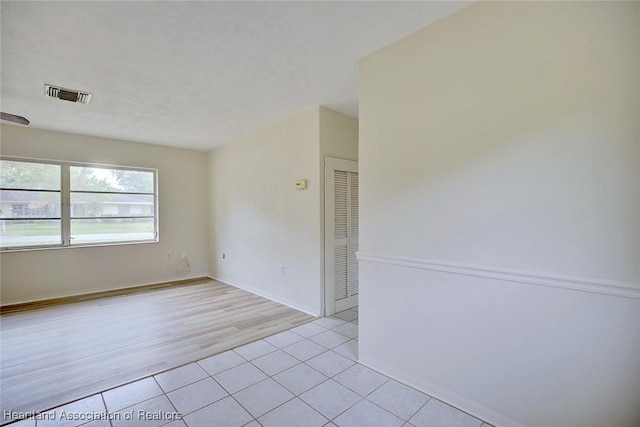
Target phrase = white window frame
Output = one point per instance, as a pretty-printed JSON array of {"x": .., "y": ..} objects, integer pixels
[{"x": 65, "y": 204}]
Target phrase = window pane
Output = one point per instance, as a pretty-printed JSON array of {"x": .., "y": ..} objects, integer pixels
[
  {"x": 29, "y": 176},
  {"x": 17, "y": 234},
  {"x": 29, "y": 204},
  {"x": 84, "y": 178},
  {"x": 106, "y": 205},
  {"x": 101, "y": 230}
]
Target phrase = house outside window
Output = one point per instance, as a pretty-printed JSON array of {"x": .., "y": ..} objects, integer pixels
[{"x": 64, "y": 204}]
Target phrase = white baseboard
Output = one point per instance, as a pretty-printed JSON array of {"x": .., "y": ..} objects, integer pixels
[
  {"x": 576, "y": 283},
  {"x": 276, "y": 298},
  {"x": 469, "y": 406},
  {"x": 122, "y": 286}
]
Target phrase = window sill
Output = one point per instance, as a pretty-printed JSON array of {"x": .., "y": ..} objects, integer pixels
[{"x": 88, "y": 245}]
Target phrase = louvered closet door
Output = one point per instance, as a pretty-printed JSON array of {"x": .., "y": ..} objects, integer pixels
[{"x": 341, "y": 238}]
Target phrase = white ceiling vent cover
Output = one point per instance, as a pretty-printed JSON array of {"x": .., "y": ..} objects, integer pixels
[{"x": 67, "y": 94}]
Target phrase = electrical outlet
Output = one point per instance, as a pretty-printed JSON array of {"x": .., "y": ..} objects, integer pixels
[
  {"x": 282, "y": 270},
  {"x": 184, "y": 255},
  {"x": 168, "y": 256}
]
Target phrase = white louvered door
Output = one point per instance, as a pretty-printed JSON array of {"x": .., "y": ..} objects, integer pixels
[{"x": 341, "y": 235}]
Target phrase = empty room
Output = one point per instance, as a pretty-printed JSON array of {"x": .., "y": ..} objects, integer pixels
[{"x": 322, "y": 213}]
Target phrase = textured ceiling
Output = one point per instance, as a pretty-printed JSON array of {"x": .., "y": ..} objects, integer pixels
[{"x": 192, "y": 74}]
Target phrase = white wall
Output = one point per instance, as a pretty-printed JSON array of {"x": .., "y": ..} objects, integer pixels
[
  {"x": 500, "y": 212},
  {"x": 338, "y": 135},
  {"x": 33, "y": 275},
  {"x": 255, "y": 214},
  {"x": 260, "y": 221},
  {"x": 338, "y": 139}
]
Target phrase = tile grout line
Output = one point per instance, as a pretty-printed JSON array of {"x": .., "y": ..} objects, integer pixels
[
  {"x": 295, "y": 395},
  {"x": 104, "y": 402}
]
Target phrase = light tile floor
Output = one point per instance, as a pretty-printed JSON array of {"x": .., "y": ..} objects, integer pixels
[{"x": 307, "y": 376}]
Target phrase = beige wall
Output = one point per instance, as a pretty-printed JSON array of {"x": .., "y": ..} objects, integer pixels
[
  {"x": 500, "y": 211},
  {"x": 338, "y": 139},
  {"x": 33, "y": 275},
  {"x": 255, "y": 215},
  {"x": 338, "y": 135},
  {"x": 261, "y": 222}
]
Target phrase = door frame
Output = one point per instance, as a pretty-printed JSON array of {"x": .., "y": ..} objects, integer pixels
[{"x": 331, "y": 165}]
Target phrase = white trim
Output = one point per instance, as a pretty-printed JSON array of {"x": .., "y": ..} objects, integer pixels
[
  {"x": 466, "y": 405},
  {"x": 291, "y": 304},
  {"x": 130, "y": 285},
  {"x": 584, "y": 284},
  {"x": 288, "y": 303}
]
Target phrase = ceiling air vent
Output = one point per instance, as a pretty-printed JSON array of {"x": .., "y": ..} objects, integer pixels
[{"x": 67, "y": 94}]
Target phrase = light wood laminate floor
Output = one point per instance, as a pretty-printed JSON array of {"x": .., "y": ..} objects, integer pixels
[{"x": 57, "y": 354}]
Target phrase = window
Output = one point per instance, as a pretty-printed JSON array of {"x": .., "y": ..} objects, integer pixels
[
  {"x": 30, "y": 201},
  {"x": 61, "y": 204}
]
